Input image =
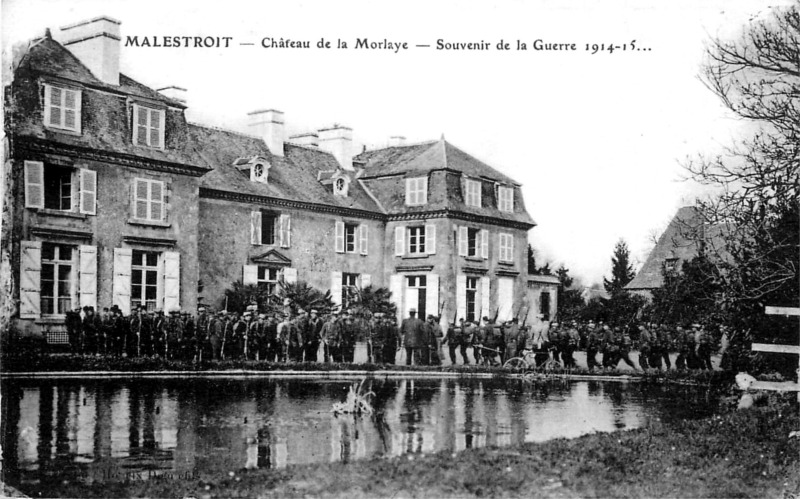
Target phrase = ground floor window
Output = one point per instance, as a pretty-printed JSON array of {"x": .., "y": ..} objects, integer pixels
[
  {"x": 58, "y": 273},
  {"x": 144, "y": 280},
  {"x": 544, "y": 306},
  {"x": 416, "y": 295},
  {"x": 349, "y": 288},
  {"x": 472, "y": 293},
  {"x": 267, "y": 279}
]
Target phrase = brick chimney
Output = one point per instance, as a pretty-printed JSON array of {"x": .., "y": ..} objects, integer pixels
[
  {"x": 397, "y": 141},
  {"x": 174, "y": 93},
  {"x": 96, "y": 43},
  {"x": 338, "y": 140},
  {"x": 268, "y": 124},
  {"x": 309, "y": 139}
]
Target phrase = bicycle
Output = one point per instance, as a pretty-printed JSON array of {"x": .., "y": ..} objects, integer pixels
[{"x": 528, "y": 360}]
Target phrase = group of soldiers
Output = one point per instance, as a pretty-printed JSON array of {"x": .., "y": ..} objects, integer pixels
[
  {"x": 300, "y": 335},
  {"x": 494, "y": 343}
]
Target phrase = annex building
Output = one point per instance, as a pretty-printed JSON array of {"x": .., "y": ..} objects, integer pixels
[{"x": 119, "y": 200}]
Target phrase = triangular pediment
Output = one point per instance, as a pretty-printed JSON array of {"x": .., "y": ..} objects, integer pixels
[{"x": 272, "y": 257}]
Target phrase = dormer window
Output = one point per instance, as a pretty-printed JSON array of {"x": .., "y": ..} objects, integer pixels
[
  {"x": 505, "y": 201},
  {"x": 259, "y": 172},
  {"x": 340, "y": 186},
  {"x": 148, "y": 126},
  {"x": 473, "y": 197},
  {"x": 62, "y": 108},
  {"x": 416, "y": 191}
]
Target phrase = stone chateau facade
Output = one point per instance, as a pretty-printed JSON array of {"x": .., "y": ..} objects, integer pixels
[{"x": 119, "y": 200}]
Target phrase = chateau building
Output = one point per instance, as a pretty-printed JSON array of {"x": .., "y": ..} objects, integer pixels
[{"x": 119, "y": 200}]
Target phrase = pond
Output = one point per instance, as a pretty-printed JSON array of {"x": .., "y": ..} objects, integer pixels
[{"x": 111, "y": 430}]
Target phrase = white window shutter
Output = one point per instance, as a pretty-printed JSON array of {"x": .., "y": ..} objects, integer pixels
[
  {"x": 34, "y": 184},
  {"x": 339, "y": 238},
  {"x": 88, "y": 191},
  {"x": 249, "y": 274},
  {"x": 285, "y": 231},
  {"x": 432, "y": 294},
  {"x": 409, "y": 187},
  {"x": 396, "y": 287},
  {"x": 505, "y": 298},
  {"x": 364, "y": 238},
  {"x": 336, "y": 288},
  {"x": 463, "y": 241},
  {"x": 121, "y": 287},
  {"x": 485, "y": 294},
  {"x": 290, "y": 275},
  {"x": 77, "y": 110},
  {"x": 461, "y": 297},
  {"x": 136, "y": 124},
  {"x": 162, "y": 129},
  {"x": 424, "y": 194},
  {"x": 484, "y": 244},
  {"x": 172, "y": 280},
  {"x": 255, "y": 227},
  {"x": 366, "y": 280},
  {"x": 88, "y": 275},
  {"x": 30, "y": 306},
  {"x": 399, "y": 241},
  {"x": 48, "y": 106},
  {"x": 510, "y": 247},
  {"x": 430, "y": 239}
]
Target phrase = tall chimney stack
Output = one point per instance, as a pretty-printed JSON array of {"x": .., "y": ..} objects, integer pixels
[
  {"x": 96, "y": 43},
  {"x": 268, "y": 124},
  {"x": 338, "y": 140}
]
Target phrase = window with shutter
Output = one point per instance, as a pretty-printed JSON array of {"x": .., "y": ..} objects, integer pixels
[
  {"x": 363, "y": 238},
  {"x": 149, "y": 199},
  {"x": 88, "y": 275},
  {"x": 430, "y": 235},
  {"x": 148, "y": 129},
  {"x": 30, "y": 279},
  {"x": 416, "y": 191},
  {"x": 34, "y": 184},
  {"x": 172, "y": 280},
  {"x": 255, "y": 227},
  {"x": 88, "y": 191},
  {"x": 416, "y": 240},
  {"x": 339, "y": 237},
  {"x": 350, "y": 243},
  {"x": 399, "y": 241},
  {"x": 121, "y": 287},
  {"x": 505, "y": 200},
  {"x": 285, "y": 223},
  {"x": 506, "y": 247},
  {"x": 57, "y": 278},
  {"x": 484, "y": 244},
  {"x": 62, "y": 108},
  {"x": 473, "y": 197}
]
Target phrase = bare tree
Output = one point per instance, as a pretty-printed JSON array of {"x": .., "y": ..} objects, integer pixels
[{"x": 751, "y": 219}]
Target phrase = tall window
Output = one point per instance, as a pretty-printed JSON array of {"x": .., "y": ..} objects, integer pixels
[
  {"x": 58, "y": 188},
  {"x": 350, "y": 234},
  {"x": 505, "y": 200},
  {"x": 268, "y": 228},
  {"x": 472, "y": 292},
  {"x": 416, "y": 191},
  {"x": 416, "y": 240},
  {"x": 506, "y": 247},
  {"x": 268, "y": 279},
  {"x": 149, "y": 199},
  {"x": 148, "y": 126},
  {"x": 62, "y": 108},
  {"x": 57, "y": 277},
  {"x": 473, "y": 241},
  {"x": 416, "y": 294},
  {"x": 144, "y": 280},
  {"x": 349, "y": 287},
  {"x": 473, "y": 193}
]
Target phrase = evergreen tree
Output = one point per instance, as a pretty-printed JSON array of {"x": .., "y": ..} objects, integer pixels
[{"x": 621, "y": 270}]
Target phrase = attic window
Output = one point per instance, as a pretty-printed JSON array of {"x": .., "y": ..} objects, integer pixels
[
  {"x": 62, "y": 108},
  {"x": 259, "y": 173},
  {"x": 148, "y": 126},
  {"x": 340, "y": 186}
]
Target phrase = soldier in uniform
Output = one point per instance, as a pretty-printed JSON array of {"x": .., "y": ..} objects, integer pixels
[
  {"x": 174, "y": 335},
  {"x": 91, "y": 329},
  {"x": 391, "y": 339},
  {"x": 216, "y": 333},
  {"x": 348, "y": 339},
  {"x": 645, "y": 347},
  {"x": 330, "y": 339},
  {"x": 136, "y": 326},
  {"x": 159, "y": 333},
  {"x": 684, "y": 346},
  {"x": 273, "y": 340},
  {"x": 571, "y": 341},
  {"x": 189, "y": 341},
  {"x": 511, "y": 338},
  {"x": 412, "y": 330},
  {"x": 202, "y": 347},
  {"x": 594, "y": 343},
  {"x": 451, "y": 340},
  {"x": 610, "y": 347},
  {"x": 468, "y": 335},
  {"x": 703, "y": 341},
  {"x": 313, "y": 336},
  {"x": 73, "y": 324}
]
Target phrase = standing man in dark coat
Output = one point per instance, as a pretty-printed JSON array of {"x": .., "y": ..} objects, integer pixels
[
  {"x": 412, "y": 331},
  {"x": 313, "y": 336}
]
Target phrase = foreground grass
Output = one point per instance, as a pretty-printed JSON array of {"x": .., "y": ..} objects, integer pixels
[{"x": 735, "y": 454}]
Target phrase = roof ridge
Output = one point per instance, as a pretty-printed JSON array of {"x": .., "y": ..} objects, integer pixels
[
  {"x": 222, "y": 129},
  {"x": 415, "y": 144}
]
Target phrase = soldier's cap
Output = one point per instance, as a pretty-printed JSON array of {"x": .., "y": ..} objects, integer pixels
[
  {"x": 696, "y": 325},
  {"x": 314, "y": 311},
  {"x": 247, "y": 314},
  {"x": 412, "y": 311},
  {"x": 201, "y": 309},
  {"x": 554, "y": 324},
  {"x": 378, "y": 314},
  {"x": 262, "y": 316}
]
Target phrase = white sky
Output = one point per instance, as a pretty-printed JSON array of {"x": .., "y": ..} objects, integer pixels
[{"x": 596, "y": 140}]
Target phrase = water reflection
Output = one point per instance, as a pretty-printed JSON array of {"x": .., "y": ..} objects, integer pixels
[{"x": 117, "y": 430}]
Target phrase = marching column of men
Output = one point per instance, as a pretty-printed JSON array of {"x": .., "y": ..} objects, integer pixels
[{"x": 302, "y": 336}]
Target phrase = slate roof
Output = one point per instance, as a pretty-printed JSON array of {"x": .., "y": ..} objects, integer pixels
[
  {"x": 680, "y": 241},
  {"x": 386, "y": 171},
  {"x": 424, "y": 158},
  {"x": 292, "y": 177},
  {"x": 104, "y": 115}
]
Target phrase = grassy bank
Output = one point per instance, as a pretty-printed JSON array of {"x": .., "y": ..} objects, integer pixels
[{"x": 734, "y": 454}]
